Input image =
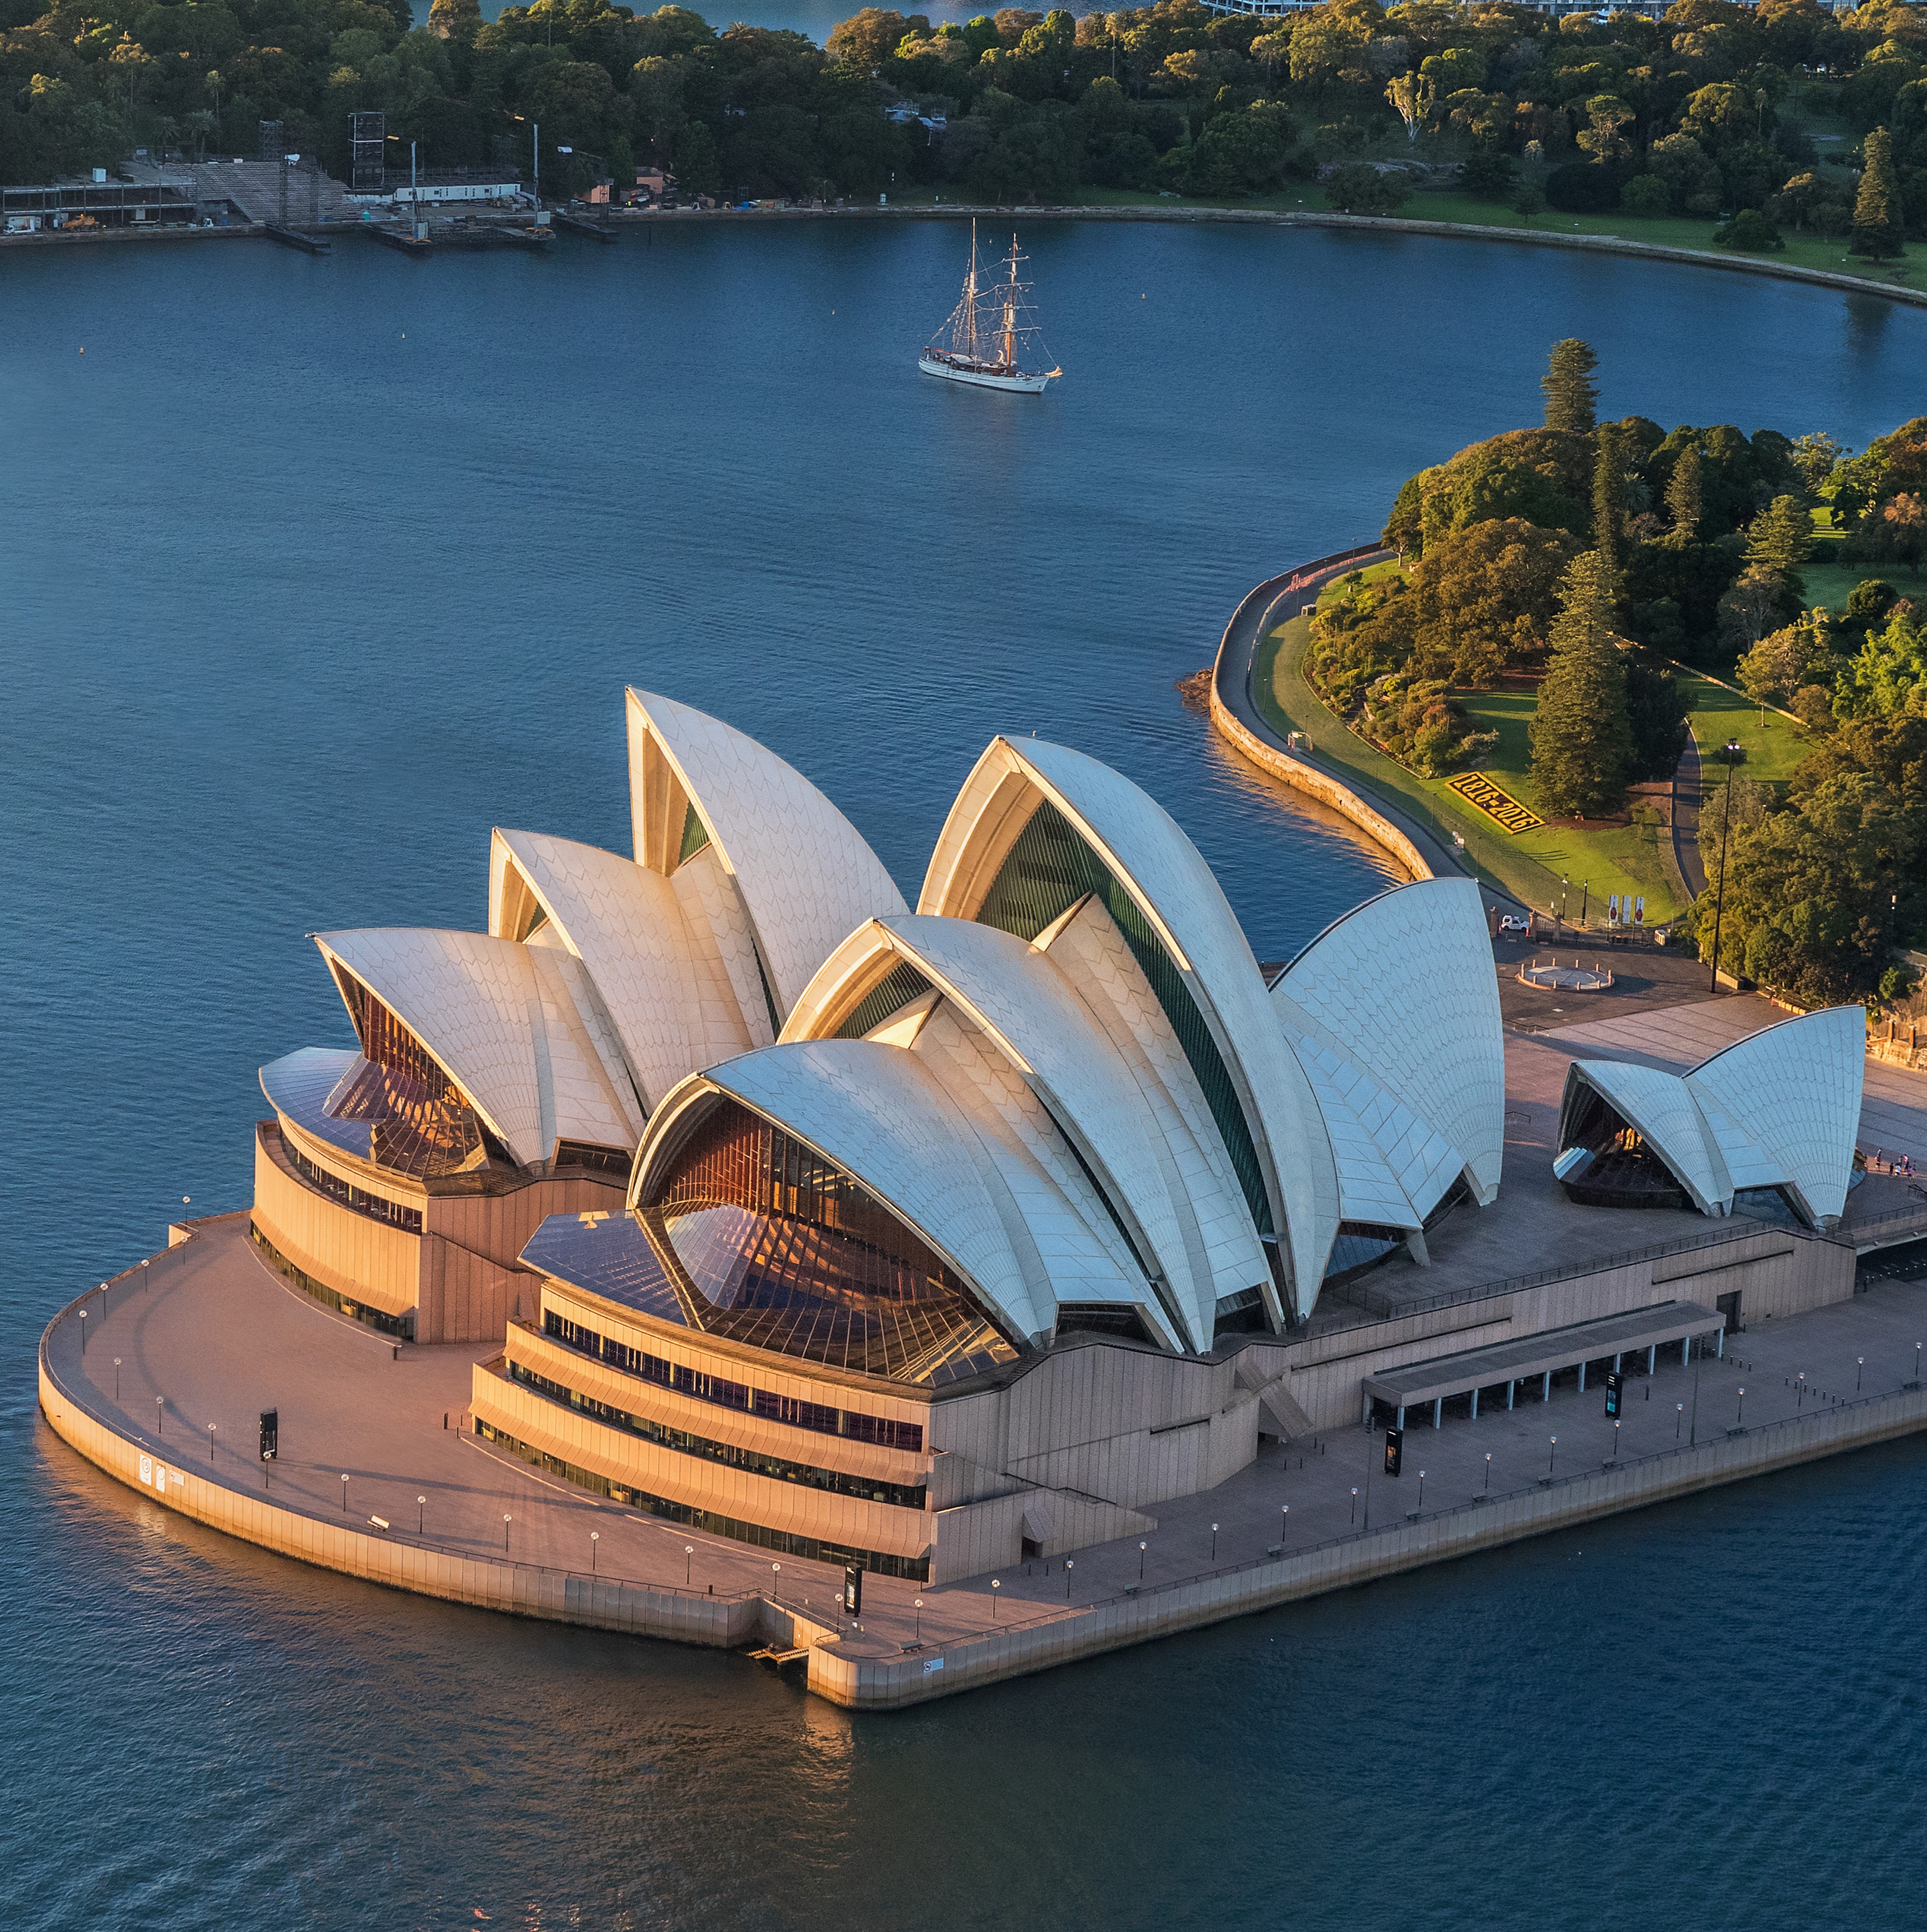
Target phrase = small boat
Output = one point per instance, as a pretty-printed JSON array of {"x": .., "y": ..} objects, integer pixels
[{"x": 990, "y": 334}]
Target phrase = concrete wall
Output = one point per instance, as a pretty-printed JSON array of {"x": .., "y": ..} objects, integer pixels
[
  {"x": 1777, "y": 1271},
  {"x": 527, "y": 1589},
  {"x": 839, "y": 1671},
  {"x": 356, "y": 1255},
  {"x": 458, "y": 1275}
]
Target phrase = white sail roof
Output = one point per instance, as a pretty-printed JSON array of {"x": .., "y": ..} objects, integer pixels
[
  {"x": 1780, "y": 1109},
  {"x": 1147, "y": 853},
  {"x": 805, "y": 874},
  {"x": 505, "y": 1032}
]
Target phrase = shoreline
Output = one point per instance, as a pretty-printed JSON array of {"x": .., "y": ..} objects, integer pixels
[
  {"x": 965, "y": 1638},
  {"x": 1602, "y": 244}
]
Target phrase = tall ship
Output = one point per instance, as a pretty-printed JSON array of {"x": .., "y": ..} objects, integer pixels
[{"x": 991, "y": 335}]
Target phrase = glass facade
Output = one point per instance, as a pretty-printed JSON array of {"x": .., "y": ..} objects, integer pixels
[
  {"x": 776, "y": 1248},
  {"x": 420, "y": 1121},
  {"x": 375, "y": 1207},
  {"x": 1049, "y": 870},
  {"x": 401, "y": 1328},
  {"x": 758, "y": 1462},
  {"x": 695, "y": 835},
  {"x": 881, "y": 1563},
  {"x": 821, "y": 1417},
  {"x": 898, "y": 987}
]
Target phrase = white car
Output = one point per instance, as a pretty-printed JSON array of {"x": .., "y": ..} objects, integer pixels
[{"x": 1512, "y": 922}]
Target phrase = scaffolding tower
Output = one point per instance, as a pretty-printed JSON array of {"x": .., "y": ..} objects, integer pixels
[
  {"x": 271, "y": 147},
  {"x": 370, "y": 161}
]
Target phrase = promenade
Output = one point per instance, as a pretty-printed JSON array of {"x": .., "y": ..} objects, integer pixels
[{"x": 180, "y": 1358}]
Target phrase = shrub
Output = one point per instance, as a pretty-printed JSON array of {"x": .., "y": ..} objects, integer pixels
[
  {"x": 1358, "y": 188},
  {"x": 1748, "y": 229},
  {"x": 1488, "y": 175},
  {"x": 1583, "y": 187},
  {"x": 1645, "y": 195}
]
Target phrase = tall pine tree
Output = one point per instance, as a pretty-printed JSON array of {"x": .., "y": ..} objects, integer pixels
[
  {"x": 1572, "y": 398},
  {"x": 1876, "y": 217},
  {"x": 1580, "y": 736},
  {"x": 1682, "y": 498},
  {"x": 1609, "y": 500}
]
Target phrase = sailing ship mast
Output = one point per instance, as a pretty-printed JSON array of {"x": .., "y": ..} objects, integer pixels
[{"x": 985, "y": 350}]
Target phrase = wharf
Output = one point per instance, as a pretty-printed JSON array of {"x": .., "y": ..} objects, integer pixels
[{"x": 184, "y": 1352}]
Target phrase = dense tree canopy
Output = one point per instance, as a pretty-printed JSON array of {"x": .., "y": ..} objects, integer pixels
[{"x": 1692, "y": 115}]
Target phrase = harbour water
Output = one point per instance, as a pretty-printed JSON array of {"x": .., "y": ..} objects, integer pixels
[{"x": 319, "y": 569}]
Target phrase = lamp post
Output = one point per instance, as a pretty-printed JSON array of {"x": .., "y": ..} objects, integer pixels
[
  {"x": 143, "y": 1271},
  {"x": 83, "y": 1331},
  {"x": 1141, "y": 1547},
  {"x": 1488, "y": 1472},
  {"x": 1552, "y": 1457},
  {"x": 1616, "y": 1441},
  {"x": 689, "y": 1562},
  {"x": 996, "y": 1601},
  {"x": 920, "y": 1619},
  {"x": 160, "y": 1416},
  {"x": 536, "y": 152},
  {"x": 594, "y": 1537},
  {"x": 211, "y": 1445},
  {"x": 1739, "y": 1415},
  {"x": 1069, "y": 1564},
  {"x": 1354, "y": 1507},
  {"x": 117, "y": 1379},
  {"x": 344, "y": 1492},
  {"x": 1725, "y": 826},
  {"x": 1678, "y": 1419},
  {"x": 1799, "y": 1394},
  {"x": 505, "y": 1531},
  {"x": 1421, "y": 1492},
  {"x": 1214, "y": 1543},
  {"x": 420, "y": 1515},
  {"x": 1585, "y": 898},
  {"x": 1860, "y": 1373}
]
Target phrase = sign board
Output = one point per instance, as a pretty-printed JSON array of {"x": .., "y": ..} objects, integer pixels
[
  {"x": 931, "y": 1663},
  {"x": 1613, "y": 909},
  {"x": 271, "y": 1434},
  {"x": 852, "y": 1589},
  {"x": 1394, "y": 1451},
  {"x": 1613, "y": 1393},
  {"x": 1638, "y": 909},
  {"x": 1495, "y": 802}
]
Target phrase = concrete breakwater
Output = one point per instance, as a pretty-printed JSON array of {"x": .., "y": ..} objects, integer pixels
[{"x": 964, "y": 1637}]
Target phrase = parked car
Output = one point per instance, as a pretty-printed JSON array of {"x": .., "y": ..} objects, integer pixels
[{"x": 1512, "y": 922}]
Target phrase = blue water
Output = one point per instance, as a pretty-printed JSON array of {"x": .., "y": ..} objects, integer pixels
[{"x": 317, "y": 569}]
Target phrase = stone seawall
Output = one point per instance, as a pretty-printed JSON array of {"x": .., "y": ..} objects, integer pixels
[
  {"x": 890, "y": 1684},
  {"x": 524, "y": 1589}
]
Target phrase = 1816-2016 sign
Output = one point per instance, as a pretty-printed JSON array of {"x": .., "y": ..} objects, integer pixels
[{"x": 1495, "y": 801}]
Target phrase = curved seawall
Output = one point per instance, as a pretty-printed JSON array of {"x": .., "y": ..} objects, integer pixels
[{"x": 1234, "y": 712}]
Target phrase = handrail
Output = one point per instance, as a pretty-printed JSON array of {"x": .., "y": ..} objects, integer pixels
[
  {"x": 1543, "y": 1484},
  {"x": 95, "y": 1409}
]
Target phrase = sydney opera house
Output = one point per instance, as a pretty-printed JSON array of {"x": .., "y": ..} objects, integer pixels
[{"x": 922, "y": 1239}]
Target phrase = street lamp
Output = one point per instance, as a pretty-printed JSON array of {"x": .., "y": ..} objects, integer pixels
[
  {"x": 420, "y": 1515},
  {"x": 1739, "y": 1415},
  {"x": 919, "y": 1619},
  {"x": 1725, "y": 826},
  {"x": 83, "y": 1331},
  {"x": 1551, "y": 1456},
  {"x": 505, "y": 1531},
  {"x": 688, "y": 1562},
  {"x": 159, "y": 1415},
  {"x": 1355, "y": 1506},
  {"x": 1678, "y": 1419},
  {"x": 1616, "y": 1441},
  {"x": 1421, "y": 1492},
  {"x": 996, "y": 1612},
  {"x": 344, "y": 1492},
  {"x": 1141, "y": 1547},
  {"x": 117, "y": 1379},
  {"x": 1214, "y": 1543},
  {"x": 1069, "y": 1564},
  {"x": 210, "y": 1445},
  {"x": 1488, "y": 1472},
  {"x": 594, "y": 1537},
  {"x": 1860, "y": 1373}
]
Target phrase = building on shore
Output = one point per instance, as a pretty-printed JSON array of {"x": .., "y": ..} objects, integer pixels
[{"x": 929, "y": 1239}]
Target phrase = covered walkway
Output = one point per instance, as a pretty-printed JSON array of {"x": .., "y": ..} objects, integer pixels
[{"x": 1642, "y": 1331}]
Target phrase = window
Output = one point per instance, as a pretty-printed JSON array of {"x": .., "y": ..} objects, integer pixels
[{"x": 377, "y": 1207}]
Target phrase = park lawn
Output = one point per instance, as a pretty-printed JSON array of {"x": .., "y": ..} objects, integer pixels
[
  {"x": 1628, "y": 859},
  {"x": 1531, "y": 866},
  {"x": 1772, "y": 748}
]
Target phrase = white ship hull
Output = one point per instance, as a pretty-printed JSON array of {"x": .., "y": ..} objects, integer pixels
[{"x": 984, "y": 379}]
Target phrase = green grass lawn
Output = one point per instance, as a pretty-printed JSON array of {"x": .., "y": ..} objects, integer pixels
[
  {"x": 1531, "y": 866},
  {"x": 1772, "y": 747}
]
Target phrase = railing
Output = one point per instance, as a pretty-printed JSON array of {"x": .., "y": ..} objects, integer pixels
[
  {"x": 1385, "y": 1308},
  {"x": 116, "y": 1422},
  {"x": 1544, "y": 1485}
]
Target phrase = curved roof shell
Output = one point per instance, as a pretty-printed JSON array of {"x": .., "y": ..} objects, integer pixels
[
  {"x": 1138, "y": 1156},
  {"x": 499, "y": 1020},
  {"x": 1780, "y": 1109},
  {"x": 1166, "y": 880},
  {"x": 1402, "y": 989},
  {"x": 805, "y": 874}
]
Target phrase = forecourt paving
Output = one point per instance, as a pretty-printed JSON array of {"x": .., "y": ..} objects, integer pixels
[{"x": 213, "y": 1336}]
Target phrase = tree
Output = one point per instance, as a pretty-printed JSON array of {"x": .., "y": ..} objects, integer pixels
[
  {"x": 1609, "y": 503},
  {"x": 1905, "y": 518},
  {"x": 867, "y": 39},
  {"x": 1747, "y": 610},
  {"x": 1359, "y": 188},
  {"x": 1411, "y": 94},
  {"x": 1785, "y": 663},
  {"x": 1606, "y": 114},
  {"x": 455, "y": 19},
  {"x": 1878, "y": 223},
  {"x": 1571, "y": 396},
  {"x": 1750, "y": 230},
  {"x": 1815, "y": 455},
  {"x": 1580, "y": 736},
  {"x": 1529, "y": 201},
  {"x": 1656, "y": 716},
  {"x": 1682, "y": 498},
  {"x": 1483, "y": 598},
  {"x": 1780, "y": 539}
]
